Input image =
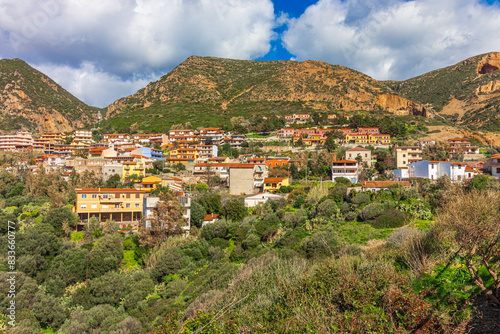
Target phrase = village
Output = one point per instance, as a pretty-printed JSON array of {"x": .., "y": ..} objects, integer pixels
[{"x": 250, "y": 167}]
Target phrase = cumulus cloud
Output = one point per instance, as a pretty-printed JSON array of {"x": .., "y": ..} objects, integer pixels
[
  {"x": 124, "y": 38},
  {"x": 393, "y": 39}
]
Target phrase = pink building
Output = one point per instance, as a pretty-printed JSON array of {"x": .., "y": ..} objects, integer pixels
[
  {"x": 21, "y": 140},
  {"x": 285, "y": 132}
]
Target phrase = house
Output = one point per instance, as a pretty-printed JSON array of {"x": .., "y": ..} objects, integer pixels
[
  {"x": 246, "y": 178},
  {"x": 277, "y": 162},
  {"x": 135, "y": 167},
  {"x": 285, "y": 132},
  {"x": 115, "y": 137},
  {"x": 424, "y": 142},
  {"x": 301, "y": 117},
  {"x": 121, "y": 205},
  {"x": 259, "y": 198},
  {"x": 331, "y": 117},
  {"x": 368, "y": 131},
  {"x": 379, "y": 185},
  {"x": 405, "y": 155},
  {"x": 219, "y": 159},
  {"x": 273, "y": 184},
  {"x": 150, "y": 183},
  {"x": 183, "y": 155},
  {"x": 356, "y": 138},
  {"x": 432, "y": 170},
  {"x": 493, "y": 165},
  {"x": 152, "y": 153},
  {"x": 215, "y": 134},
  {"x": 210, "y": 218},
  {"x": 111, "y": 168},
  {"x": 82, "y": 136},
  {"x": 150, "y": 202},
  {"x": 462, "y": 144},
  {"x": 345, "y": 168},
  {"x": 364, "y": 153},
  {"x": 381, "y": 139}
]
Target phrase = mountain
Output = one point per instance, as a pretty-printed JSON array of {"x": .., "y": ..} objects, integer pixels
[
  {"x": 208, "y": 90},
  {"x": 466, "y": 93},
  {"x": 29, "y": 100}
]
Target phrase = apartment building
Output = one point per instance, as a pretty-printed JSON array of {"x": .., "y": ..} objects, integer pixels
[
  {"x": 116, "y": 137},
  {"x": 405, "y": 155},
  {"x": 364, "y": 153},
  {"x": 246, "y": 178},
  {"x": 432, "y": 170},
  {"x": 135, "y": 167},
  {"x": 346, "y": 168},
  {"x": 285, "y": 132},
  {"x": 121, "y": 205},
  {"x": 20, "y": 141},
  {"x": 84, "y": 136},
  {"x": 216, "y": 134}
]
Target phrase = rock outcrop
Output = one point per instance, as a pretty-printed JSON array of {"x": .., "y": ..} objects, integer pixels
[
  {"x": 399, "y": 105},
  {"x": 489, "y": 63},
  {"x": 489, "y": 87}
]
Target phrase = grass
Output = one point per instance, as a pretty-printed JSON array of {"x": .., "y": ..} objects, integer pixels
[
  {"x": 359, "y": 233},
  {"x": 129, "y": 261},
  {"x": 76, "y": 236}
]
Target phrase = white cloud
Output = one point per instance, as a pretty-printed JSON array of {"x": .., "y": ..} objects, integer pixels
[
  {"x": 394, "y": 39},
  {"x": 90, "y": 84},
  {"x": 123, "y": 38}
]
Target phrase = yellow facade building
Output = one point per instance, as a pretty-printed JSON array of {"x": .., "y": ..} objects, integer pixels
[
  {"x": 117, "y": 204},
  {"x": 273, "y": 184},
  {"x": 130, "y": 168}
]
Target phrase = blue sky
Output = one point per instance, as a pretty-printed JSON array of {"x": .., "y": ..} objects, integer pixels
[{"x": 102, "y": 50}]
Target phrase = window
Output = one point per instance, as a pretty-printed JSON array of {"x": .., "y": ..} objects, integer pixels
[
  {"x": 83, "y": 206},
  {"x": 127, "y": 205},
  {"x": 117, "y": 195},
  {"x": 94, "y": 206},
  {"x": 137, "y": 205},
  {"x": 94, "y": 195},
  {"x": 84, "y": 195},
  {"x": 127, "y": 195},
  {"x": 137, "y": 196}
]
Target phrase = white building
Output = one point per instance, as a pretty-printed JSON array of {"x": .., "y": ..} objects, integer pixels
[
  {"x": 345, "y": 168},
  {"x": 432, "y": 170},
  {"x": 260, "y": 198}
]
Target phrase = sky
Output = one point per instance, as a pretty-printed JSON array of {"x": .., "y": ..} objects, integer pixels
[{"x": 102, "y": 50}]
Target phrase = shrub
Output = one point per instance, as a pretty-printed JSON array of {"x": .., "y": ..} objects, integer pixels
[
  {"x": 361, "y": 198},
  {"x": 390, "y": 218}
]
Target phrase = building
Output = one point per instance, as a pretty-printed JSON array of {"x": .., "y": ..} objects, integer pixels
[
  {"x": 368, "y": 131},
  {"x": 493, "y": 165},
  {"x": 364, "y": 153},
  {"x": 215, "y": 134},
  {"x": 285, "y": 132},
  {"x": 150, "y": 183},
  {"x": 260, "y": 198},
  {"x": 345, "y": 168},
  {"x": 206, "y": 152},
  {"x": 210, "y": 218},
  {"x": 356, "y": 138},
  {"x": 246, "y": 178},
  {"x": 405, "y": 155},
  {"x": 111, "y": 168},
  {"x": 273, "y": 184},
  {"x": 22, "y": 140},
  {"x": 277, "y": 162},
  {"x": 116, "y": 137},
  {"x": 183, "y": 155},
  {"x": 301, "y": 117},
  {"x": 130, "y": 168},
  {"x": 381, "y": 139},
  {"x": 124, "y": 206},
  {"x": 462, "y": 145},
  {"x": 84, "y": 136},
  {"x": 433, "y": 170},
  {"x": 149, "y": 152}
]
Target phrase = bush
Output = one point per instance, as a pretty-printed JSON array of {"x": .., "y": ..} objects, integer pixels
[
  {"x": 321, "y": 244},
  {"x": 219, "y": 242},
  {"x": 219, "y": 229},
  {"x": 372, "y": 211},
  {"x": 390, "y": 218},
  {"x": 361, "y": 198}
]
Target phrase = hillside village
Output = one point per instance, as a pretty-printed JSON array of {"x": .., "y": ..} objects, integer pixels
[{"x": 253, "y": 167}]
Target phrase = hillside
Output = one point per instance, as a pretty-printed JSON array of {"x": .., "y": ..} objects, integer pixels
[
  {"x": 208, "y": 91},
  {"x": 466, "y": 93},
  {"x": 29, "y": 100}
]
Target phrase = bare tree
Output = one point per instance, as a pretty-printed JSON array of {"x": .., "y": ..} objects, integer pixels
[
  {"x": 167, "y": 221},
  {"x": 474, "y": 217}
]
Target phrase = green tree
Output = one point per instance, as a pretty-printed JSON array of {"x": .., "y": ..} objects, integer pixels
[
  {"x": 198, "y": 212},
  {"x": 234, "y": 210}
]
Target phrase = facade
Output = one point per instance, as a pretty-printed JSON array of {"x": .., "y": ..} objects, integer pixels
[
  {"x": 260, "y": 198},
  {"x": 114, "y": 137},
  {"x": 405, "y": 155},
  {"x": 273, "y": 184},
  {"x": 216, "y": 134},
  {"x": 111, "y": 168},
  {"x": 432, "y": 170},
  {"x": 20, "y": 141},
  {"x": 345, "y": 168},
  {"x": 462, "y": 144},
  {"x": 150, "y": 183},
  {"x": 123, "y": 206},
  {"x": 84, "y": 136},
  {"x": 285, "y": 132},
  {"x": 365, "y": 154},
  {"x": 246, "y": 178},
  {"x": 493, "y": 165},
  {"x": 130, "y": 168}
]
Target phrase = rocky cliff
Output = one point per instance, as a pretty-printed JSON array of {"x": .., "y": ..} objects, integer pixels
[
  {"x": 399, "y": 105},
  {"x": 29, "y": 100}
]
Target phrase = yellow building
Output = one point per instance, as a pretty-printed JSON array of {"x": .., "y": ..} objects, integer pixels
[
  {"x": 150, "y": 183},
  {"x": 130, "y": 168},
  {"x": 117, "y": 204},
  {"x": 273, "y": 184},
  {"x": 383, "y": 139},
  {"x": 356, "y": 138},
  {"x": 183, "y": 155}
]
